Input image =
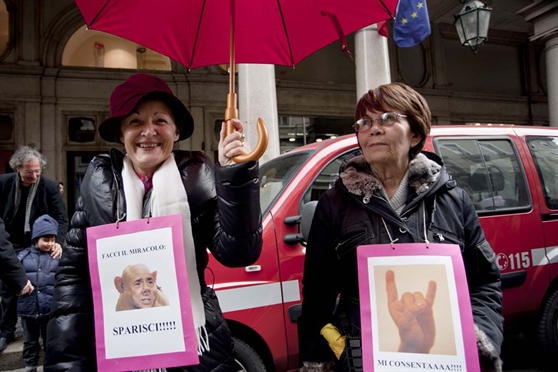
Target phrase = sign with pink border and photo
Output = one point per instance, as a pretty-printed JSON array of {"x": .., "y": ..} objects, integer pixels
[
  {"x": 415, "y": 309},
  {"x": 141, "y": 299}
]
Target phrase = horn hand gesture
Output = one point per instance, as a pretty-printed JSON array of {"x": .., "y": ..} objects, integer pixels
[{"x": 413, "y": 316}]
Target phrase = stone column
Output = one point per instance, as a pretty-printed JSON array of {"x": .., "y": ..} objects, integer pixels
[
  {"x": 544, "y": 16},
  {"x": 28, "y": 47},
  {"x": 372, "y": 60},
  {"x": 47, "y": 123},
  {"x": 257, "y": 98},
  {"x": 551, "y": 51},
  {"x": 32, "y": 124}
]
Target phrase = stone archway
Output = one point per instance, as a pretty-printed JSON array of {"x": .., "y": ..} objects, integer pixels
[
  {"x": 67, "y": 35},
  {"x": 7, "y": 27},
  {"x": 57, "y": 34}
]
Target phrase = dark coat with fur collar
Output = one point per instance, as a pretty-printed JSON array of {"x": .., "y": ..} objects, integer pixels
[{"x": 351, "y": 213}]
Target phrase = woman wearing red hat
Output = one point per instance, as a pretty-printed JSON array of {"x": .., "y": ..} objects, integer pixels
[{"x": 220, "y": 208}]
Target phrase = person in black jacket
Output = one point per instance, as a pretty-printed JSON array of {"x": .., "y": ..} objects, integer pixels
[
  {"x": 24, "y": 196},
  {"x": 391, "y": 193},
  {"x": 220, "y": 208},
  {"x": 12, "y": 273}
]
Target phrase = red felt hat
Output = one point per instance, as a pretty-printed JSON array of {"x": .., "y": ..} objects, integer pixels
[{"x": 127, "y": 95}]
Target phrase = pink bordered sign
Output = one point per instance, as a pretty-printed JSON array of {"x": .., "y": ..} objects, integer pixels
[
  {"x": 415, "y": 309},
  {"x": 141, "y": 299}
]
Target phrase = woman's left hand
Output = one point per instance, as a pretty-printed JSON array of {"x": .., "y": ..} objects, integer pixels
[
  {"x": 56, "y": 251},
  {"x": 233, "y": 144}
]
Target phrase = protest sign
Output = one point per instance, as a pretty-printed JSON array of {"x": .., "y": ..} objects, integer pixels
[
  {"x": 141, "y": 299},
  {"x": 415, "y": 309}
]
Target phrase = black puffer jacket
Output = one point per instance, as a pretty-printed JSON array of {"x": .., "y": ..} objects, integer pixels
[
  {"x": 40, "y": 269},
  {"x": 226, "y": 218},
  {"x": 347, "y": 217}
]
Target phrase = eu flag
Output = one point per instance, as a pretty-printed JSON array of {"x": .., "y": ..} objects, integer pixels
[{"x": 411, "y": 24}]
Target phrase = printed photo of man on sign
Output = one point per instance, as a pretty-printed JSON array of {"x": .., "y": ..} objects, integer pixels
[
  {"x": 143, "y": 312},
  {"x": 138, "y": 289}
]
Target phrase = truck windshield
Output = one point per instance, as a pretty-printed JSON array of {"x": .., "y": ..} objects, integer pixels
[{"x": 276, "y": 174}]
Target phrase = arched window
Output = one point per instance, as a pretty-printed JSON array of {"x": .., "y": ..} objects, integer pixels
[
  {"x": 90, "y": 48},
  {"x": 4, "y": 27}
]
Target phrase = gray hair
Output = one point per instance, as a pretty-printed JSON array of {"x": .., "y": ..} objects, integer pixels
[{"x": 26, "y": 154}]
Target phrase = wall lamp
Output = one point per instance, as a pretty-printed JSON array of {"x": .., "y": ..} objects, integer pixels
[{"x": 472, "y": 24}]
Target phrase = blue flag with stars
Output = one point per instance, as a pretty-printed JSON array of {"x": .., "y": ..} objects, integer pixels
[{"x": 411, "y": 24}]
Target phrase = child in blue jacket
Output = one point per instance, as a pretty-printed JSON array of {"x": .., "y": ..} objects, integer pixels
[{"x": 34, "y": 309}]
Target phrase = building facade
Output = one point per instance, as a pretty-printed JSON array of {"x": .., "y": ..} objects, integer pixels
[{"x": 56, "y": 79}]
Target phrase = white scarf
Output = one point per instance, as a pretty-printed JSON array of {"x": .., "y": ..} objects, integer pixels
[{"x": 169, "y": 197}]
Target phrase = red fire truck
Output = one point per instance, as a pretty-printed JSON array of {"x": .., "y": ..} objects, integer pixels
[{"x": 511, "y": 174}]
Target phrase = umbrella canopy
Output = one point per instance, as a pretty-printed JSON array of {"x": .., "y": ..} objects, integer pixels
[
  {"x": 196, "y": 32},
  {"x": 200, "y": 33}
]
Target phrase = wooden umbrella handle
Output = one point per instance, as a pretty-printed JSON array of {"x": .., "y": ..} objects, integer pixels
[
  {"x": 263, "y": 137},
  {"x": 261, "y": 146},
  {"x": 232, "y": 111}
]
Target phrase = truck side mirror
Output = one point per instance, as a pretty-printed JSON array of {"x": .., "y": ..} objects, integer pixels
[
  {"x": 304, "y": 221},
  {"x": 307, "y": 217}
]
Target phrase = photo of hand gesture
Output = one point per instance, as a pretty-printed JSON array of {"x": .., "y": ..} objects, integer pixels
[{"x": 413, "y": 316}]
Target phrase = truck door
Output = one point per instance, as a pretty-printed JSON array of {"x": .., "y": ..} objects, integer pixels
[
  {"x": 544, "y": 152},
  {"x": 490, "y": 170}
]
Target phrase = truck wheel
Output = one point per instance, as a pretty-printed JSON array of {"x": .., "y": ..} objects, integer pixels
[
  {"x": 547, "y": 330},
  {"x": 246, "y": 358}
]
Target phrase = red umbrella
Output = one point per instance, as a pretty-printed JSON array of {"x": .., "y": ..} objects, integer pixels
[{"x": 200, "y": 33}]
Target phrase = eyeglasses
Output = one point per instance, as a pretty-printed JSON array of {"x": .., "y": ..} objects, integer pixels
[
  {"x": 385, "y": 120},
  {"x": 32, "y": 171}
]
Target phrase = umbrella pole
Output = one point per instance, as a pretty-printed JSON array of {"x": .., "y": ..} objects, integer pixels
[{"x": 231, "y": 111}]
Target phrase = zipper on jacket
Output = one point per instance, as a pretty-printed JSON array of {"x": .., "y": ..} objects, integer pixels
[
  {"x": 409, "y": 210},
  {"x": 360, "y": 199},
  {"x": 354, "y": 237},
  {"x": 343, "y": 242},
  {"x": 118, "y": 219},
  {"x": 446, "y": 236},
  {"x": 389, "y": 218}
]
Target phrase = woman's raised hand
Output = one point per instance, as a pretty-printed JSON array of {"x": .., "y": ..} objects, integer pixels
[{"x": 233, "y": 144}]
